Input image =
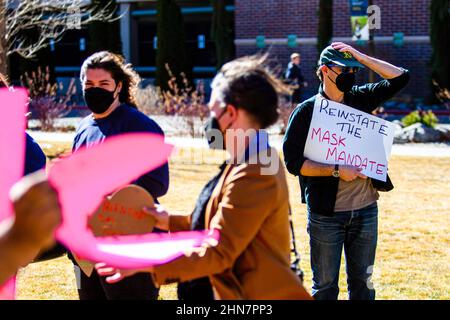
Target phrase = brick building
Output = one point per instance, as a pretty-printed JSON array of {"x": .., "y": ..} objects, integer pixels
[
  {"x": 276, "y": 19},
  {"x": 273, "y": 19}
]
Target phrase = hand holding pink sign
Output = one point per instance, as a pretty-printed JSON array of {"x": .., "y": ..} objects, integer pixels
[{"x": 82, "y": 181}]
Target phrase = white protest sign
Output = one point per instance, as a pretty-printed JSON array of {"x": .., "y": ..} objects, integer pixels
[{"x": 339, "y": 134}]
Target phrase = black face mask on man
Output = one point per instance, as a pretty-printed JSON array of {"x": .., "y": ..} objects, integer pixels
[
  {"x": 344, "y": 81},
  {"x": 214, "y": 134},
  {"x": 98, "y": 99}
]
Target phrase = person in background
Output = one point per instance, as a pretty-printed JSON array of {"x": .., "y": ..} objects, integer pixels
[
  {"x": 109, "y": 86},
  {"x": 249, "y": 207},
  {"x": 31, "y": 230},
  {"x": 295, "y": 78},
  {"x": 35, "y": 160},
  {"x": 34, "y": 156},
  {"x": 341, "y": 201}
]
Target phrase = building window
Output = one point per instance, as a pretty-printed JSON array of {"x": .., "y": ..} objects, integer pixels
[{"x": 197, "y": 17}]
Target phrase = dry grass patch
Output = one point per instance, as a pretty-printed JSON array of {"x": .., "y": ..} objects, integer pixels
[{"x": 413, "y": 248}]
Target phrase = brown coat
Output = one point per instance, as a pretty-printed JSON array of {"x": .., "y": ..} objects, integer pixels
[{"x": 251, "y": 260}]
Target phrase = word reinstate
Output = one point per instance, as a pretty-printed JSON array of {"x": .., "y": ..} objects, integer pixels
[{"x": 339, "y": 134}]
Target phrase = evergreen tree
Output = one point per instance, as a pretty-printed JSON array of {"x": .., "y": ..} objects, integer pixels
[
  {"x": 440, "y": 42},
  {"x": 325, "y": 30},
  {"x": 222, "y": 32},
  {"x": 171, "y": 45},
  {"x": 105, "y": 35}
]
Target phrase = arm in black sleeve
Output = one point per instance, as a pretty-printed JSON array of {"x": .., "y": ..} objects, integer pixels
[
  {"x": 290, "y": 74},
  {"x": 34, "y": 156},
  {"x": 301, "y": 78},
  {"x": 372, "y": 95},
  {"x": 295, "y": 137},
  {"x": 156, "y": 182}
]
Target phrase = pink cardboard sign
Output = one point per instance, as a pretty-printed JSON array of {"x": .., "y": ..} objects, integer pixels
[
  {"x": 82, "y": 181},
  {"x": 12, "y": 155},
  {"x": 12, "y": 143}
]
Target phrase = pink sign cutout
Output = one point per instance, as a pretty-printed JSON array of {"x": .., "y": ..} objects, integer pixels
[
  {"x": 12, "y": 155},
  {"x": 82, "y": 181}
]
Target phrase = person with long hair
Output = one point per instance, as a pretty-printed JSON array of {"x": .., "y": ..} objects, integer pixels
[{"x": 109, "y": 87}]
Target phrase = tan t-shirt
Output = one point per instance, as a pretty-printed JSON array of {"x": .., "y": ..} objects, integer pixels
[{"x": 355, "y": 195}]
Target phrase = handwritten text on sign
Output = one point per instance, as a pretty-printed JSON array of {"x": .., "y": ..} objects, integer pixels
[{"x": 339, "y": 134}]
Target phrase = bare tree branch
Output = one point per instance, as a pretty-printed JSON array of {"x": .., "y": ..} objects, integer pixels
[{"x": 50, "y": 18}]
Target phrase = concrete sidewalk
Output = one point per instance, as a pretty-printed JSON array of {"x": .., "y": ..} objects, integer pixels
[{"x": 410, "y": 149}]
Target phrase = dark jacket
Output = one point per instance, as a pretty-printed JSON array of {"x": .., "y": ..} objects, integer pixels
[
  {"x": 294, "y": 74},
  {"x": 125, "y": 119},
  {"x": 319, "y": 193},
  {"x": 34, "y": 156},
  {"x": 251, "y": 211},
  {"x": 294, "y": 77}
]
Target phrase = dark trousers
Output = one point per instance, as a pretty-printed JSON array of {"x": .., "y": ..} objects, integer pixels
[
  {"x": 355, "y": 232},
  {"x": 296, "y": 97},
  {"x": 137, "y": 287},
  {"x": 196, "y": 290}
]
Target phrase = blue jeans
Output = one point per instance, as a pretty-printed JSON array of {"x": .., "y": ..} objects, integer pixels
[{"x": 356, "y": 232}]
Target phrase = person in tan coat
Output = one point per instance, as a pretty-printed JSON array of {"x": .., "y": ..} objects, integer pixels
[{"x": 248, "y": 201}]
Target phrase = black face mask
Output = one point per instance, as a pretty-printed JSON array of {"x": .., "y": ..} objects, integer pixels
[
  {"x": 212, "y": 130},
  {"x": 98, "y": 99},
  {"x": 344, "y": 81}
]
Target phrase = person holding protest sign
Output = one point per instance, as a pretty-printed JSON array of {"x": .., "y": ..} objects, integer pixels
[
  {"x": 31, "y": 230},
  {"x": 35, "y": 160},
  {"x": 248, "y": 201},
  {"x": 37, "y": 214},
  {"x": 341, "y": 201},
  {"x": 109, "y": 86}
]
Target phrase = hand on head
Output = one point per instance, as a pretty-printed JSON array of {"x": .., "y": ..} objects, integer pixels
[{"x": 343, "y": 47}]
